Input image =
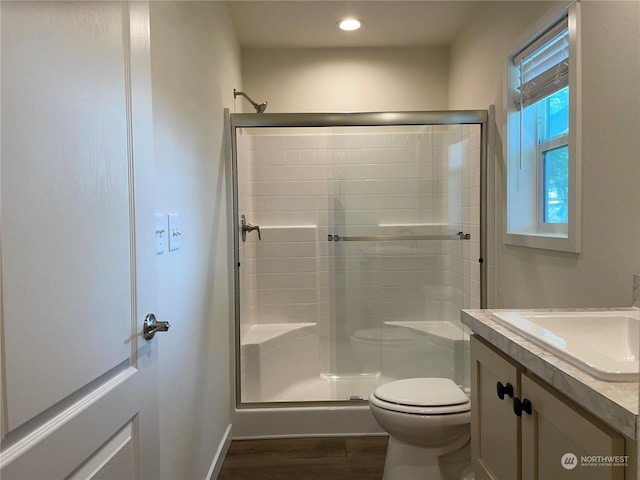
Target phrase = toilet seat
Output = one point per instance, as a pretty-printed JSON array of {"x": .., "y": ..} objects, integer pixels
[{"x": 421, "y": 396}]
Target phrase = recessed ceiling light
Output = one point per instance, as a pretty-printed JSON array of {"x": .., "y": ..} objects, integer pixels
[{"x": 349, "y": 24}]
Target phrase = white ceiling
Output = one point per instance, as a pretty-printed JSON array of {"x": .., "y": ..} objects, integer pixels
[{"x": 312, "y": 23}]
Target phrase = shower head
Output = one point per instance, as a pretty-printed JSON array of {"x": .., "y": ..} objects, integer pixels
[{"x": 260, "y": 107}]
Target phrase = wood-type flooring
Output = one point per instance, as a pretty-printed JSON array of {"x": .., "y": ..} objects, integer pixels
[{"x": 340, "y": 458}]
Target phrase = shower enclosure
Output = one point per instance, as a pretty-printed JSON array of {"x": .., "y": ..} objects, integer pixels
[{"x": 358, "y": 239}]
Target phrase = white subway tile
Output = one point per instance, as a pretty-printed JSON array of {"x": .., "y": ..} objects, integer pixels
[
  {"x": 313, "y": 172},
  {"x": 474, "y": 216},
  {"x": 286, "y": 280},
  {"x": 275, "y": 142},
  {"x": 322, "y": 157},
  {"x": 292, "y": 157},
  {"x": 278, "y": 173},
  {"x": 474, "y": 197},
  {"x": 400, "y": 140},
  {"x": 474, "y": 159},
  {"x": 321, "y": 141},
  {"x": 294, "y": 172},
  {"x": 259, "y": 142},
  {"x": 474, "y": 177},
  {"x": 307, "y": 142},
  {"x": 383, "y": 140},
  {"x": 400, "y": 294},
  {"x": 285, "y": 250},
  {"x": 292, "y": 142},
  {"x": 275, "y": 157},
  {"x": 307, "y": 157},
  {"x": 285, "y": 265}
]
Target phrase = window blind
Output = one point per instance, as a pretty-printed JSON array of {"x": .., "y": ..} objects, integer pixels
[{"x": 543, "y": 65}]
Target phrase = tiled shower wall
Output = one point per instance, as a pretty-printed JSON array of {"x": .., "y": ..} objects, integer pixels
[{"x": 301, "y": 187}]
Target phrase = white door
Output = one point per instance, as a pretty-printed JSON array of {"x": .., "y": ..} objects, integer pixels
[{"x": 79, "y": 382}]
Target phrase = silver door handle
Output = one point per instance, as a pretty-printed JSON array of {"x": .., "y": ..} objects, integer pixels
[
  {"x": 152, "y": 326},
  {"x": 247, "y": 227}
]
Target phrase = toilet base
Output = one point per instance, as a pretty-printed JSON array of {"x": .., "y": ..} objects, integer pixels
[{"x": 412, "y": 462}]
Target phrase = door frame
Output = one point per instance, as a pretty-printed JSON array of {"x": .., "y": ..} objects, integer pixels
[{"x": 235, "y": 121}]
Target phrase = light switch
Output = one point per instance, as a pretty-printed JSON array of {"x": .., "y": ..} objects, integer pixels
[
  {"x": 174, "y": 232},
  {"x": 161, "y": 233}
]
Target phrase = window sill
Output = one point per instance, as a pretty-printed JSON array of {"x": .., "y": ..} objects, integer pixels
[{"x": 544, "y": 241}]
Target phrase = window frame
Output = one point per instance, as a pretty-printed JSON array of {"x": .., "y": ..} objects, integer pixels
[{"x": 524, "y": 209}]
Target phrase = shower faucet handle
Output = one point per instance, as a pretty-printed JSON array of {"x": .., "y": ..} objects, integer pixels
[{"x": 247, "y": 227}]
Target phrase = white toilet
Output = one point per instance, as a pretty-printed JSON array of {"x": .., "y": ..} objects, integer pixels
[{"x": 425, "y": 419}]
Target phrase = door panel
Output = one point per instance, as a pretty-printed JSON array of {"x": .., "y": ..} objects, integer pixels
[
  {"x": 115, "y": 459},
  {"x": 66, "y": 222},
  {"x": 77, "y": 241}
]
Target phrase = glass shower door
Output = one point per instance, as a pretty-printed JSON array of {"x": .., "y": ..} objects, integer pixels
[
  {"x": 363, "y": 258},
  {"x": 396, "y": 247}
]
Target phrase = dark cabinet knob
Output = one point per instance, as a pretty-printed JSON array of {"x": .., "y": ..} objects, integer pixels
[
  {"x": 520, "y": 406},
  {"x": 503, "y": 390}
]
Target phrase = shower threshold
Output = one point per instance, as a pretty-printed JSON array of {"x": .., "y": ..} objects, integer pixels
[{"x": 331, "y": 387}]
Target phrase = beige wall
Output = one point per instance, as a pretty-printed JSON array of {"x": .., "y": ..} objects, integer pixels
[
  {"x": 195, "y": 66},
  {"x": 601, "y": 275},
  {"x": 347, "y": 79}
]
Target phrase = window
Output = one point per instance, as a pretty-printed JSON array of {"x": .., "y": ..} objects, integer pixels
[
  {"x": 552, "y": 155},
  {"x": 542, "y": 146}
]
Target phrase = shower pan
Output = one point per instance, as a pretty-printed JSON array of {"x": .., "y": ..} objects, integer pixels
[{"x": 358, "y": 238}]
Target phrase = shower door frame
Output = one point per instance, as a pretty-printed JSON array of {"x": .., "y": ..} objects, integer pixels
[{"x": 235, "y": 121}]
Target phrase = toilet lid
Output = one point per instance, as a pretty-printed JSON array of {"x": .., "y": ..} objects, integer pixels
[
  {"x": 384, "y": 335},
  {"x": 422, "y": 392}
]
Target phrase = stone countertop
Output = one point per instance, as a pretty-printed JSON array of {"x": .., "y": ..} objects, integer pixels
[{"x": 615, "y": 403}]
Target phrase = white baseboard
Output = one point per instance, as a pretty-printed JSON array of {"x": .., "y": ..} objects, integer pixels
[
  {"x": 292, "y": 422},
  {"x": 221, "y": 453}
]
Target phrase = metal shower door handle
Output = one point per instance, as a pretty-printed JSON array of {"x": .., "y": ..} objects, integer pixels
[{"x": 247, "y": 227}]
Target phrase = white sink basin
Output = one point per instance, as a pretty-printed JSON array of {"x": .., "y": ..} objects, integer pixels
[{"x": 601, "y": 343}]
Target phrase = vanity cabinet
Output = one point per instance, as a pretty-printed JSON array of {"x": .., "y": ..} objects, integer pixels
[{"x": 522, "y": 427}]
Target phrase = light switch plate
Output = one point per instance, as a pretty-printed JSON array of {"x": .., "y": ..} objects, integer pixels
[
  {"x": 161, "y": 233},
  {"x": 174, "y": 232}
]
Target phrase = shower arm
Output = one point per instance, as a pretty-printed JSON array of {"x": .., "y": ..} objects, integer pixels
[{"x": 259, "y": 107}]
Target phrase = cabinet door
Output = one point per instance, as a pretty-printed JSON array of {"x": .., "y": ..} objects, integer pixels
[
  {"x": 556, "y": 430},
  {"x": 495, "y": 430}
]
